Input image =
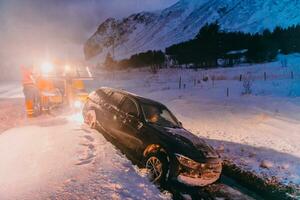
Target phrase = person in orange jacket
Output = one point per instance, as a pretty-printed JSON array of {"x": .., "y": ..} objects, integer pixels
[{"x": 31, "y": 92}]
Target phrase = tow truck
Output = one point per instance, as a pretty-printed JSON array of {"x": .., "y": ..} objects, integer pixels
[{"x": 61, "y": 86}]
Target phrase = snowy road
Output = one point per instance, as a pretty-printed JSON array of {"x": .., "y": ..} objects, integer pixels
[{"x": 59, "y": 158}]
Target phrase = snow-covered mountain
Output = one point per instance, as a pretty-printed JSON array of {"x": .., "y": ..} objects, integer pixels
[{"x": 182, "y": 21}]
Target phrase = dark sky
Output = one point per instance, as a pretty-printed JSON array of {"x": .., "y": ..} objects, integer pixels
[{"x": 31, "y": 29}]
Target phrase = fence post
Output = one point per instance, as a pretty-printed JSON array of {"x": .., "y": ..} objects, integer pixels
[
  {"x": 292, "y": 74},
  {"x": 227, "y": 92},
  {"x": 241, "y": 77},
  {"x": 180, "y": 82},
  {"x": 184, "y": 86},
  {"x": 265, "y": 76}
]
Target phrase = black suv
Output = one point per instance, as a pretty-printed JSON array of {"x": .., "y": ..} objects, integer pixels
[{"x": 153, "y": 137}]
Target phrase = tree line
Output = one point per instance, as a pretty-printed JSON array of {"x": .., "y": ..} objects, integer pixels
[
  {"x": 154, "y": 59},
  {"x": 212, "y": 44}
]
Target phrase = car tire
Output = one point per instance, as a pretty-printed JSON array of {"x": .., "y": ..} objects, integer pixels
[
  {"x": 158, "y": 167},
  {"x": 91, "y": 119}
]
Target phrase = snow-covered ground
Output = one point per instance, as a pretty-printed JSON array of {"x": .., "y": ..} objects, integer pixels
[
  {"x": 60, "y": 158},
  {"x": 10, "y": 89},
  {"x": 258, "y": 132},
  {"x": 57, "y": 157}
]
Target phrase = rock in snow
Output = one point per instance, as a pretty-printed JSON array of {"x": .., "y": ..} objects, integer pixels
[{"x": 266, "y": 164}]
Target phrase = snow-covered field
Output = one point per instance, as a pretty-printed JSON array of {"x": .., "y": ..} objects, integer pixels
[
  {"x": 58, "y": 157},
  {"x": 258, "y": 132}
]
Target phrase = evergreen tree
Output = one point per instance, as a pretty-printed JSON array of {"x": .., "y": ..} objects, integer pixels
[{"x": 211, "y": 43}]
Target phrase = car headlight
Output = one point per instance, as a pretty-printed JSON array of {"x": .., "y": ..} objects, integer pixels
[{"x": 187, "y": 162}]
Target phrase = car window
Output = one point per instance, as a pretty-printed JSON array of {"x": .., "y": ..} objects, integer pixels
[
  {"x": 102, "y": 95},
  {"x": 98, "y": 96},
  {"x": 116, "y": 98},
  {"x": 159, "y": 115},
  {"x": 129, "y": 107}
]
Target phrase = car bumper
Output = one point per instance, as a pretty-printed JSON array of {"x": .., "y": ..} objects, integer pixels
[{"x": 200, "y": 177}]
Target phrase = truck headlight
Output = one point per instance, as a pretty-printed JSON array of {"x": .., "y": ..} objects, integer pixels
[
  {"x": 187, "y": 162},
  {"x": 46, "y": 68},
  {"x": 77, "y": 104},
  {"x": 67, "y": 68}
]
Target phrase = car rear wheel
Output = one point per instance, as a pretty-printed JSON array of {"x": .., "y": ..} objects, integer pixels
[
  {"x": 157, "y": 166},
  {"x": 91, "y": 119}
]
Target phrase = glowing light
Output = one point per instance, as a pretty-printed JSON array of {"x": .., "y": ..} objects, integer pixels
[
  {"x": 77, "y": 104},
  {"x": 46, "y": 68},
  {"x": 67, "y": 68}
]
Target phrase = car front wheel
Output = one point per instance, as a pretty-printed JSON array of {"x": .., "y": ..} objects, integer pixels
[{"x": 157, "y": 167}]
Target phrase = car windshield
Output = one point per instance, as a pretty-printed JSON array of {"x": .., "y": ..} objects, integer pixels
[{"x": 159, "y": 115}]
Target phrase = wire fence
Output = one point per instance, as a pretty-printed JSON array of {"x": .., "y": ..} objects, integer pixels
[{"x": 189, "y": 78}]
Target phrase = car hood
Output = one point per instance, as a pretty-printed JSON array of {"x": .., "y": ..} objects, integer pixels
[{"x": 189, "y": 144}]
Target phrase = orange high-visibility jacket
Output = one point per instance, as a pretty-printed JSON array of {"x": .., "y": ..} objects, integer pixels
[{"x": 27, "y": 76}]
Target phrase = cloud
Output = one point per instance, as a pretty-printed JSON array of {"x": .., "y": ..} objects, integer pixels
[{"x": 33, "y": 29}]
